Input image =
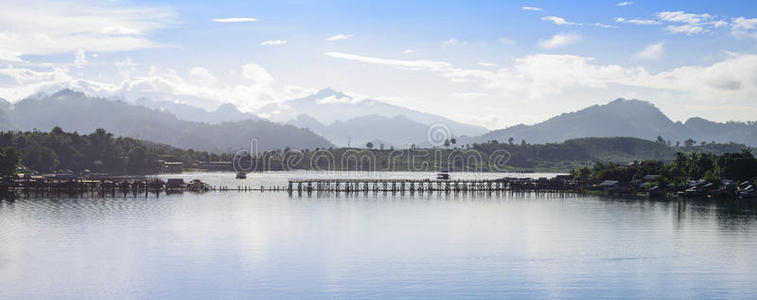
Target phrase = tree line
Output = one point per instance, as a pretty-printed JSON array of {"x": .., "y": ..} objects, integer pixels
[
  {"x": 739, "y": 166},
  {"x": 99, "y": 151},
  {"x": 102, "y": 152}
]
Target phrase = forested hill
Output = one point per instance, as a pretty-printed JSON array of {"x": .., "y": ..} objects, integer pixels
[
  {"x": 99, "y": 151},
  {"x": 585, "y": 151},
  {"x": 492, "y": 156},
  {"x": 74, "y": 111},
  {"x": 630, "y": 118}
]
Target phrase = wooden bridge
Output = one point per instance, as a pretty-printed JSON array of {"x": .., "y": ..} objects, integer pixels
[
  {"x": 146, "y": 186},
  {"x": 429, "y": 185}
]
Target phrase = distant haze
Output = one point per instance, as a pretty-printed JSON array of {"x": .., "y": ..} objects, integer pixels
[
  {"x": 491, "y": 64},
  {"x": 303, "y": 123}
]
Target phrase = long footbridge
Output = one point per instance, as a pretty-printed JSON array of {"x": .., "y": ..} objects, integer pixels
[
  {"x": 299, "y": 185},
  {"x": 428, "y": 185}
]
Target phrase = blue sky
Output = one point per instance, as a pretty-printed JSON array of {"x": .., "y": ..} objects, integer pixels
[{"x": 493, "y": 63}]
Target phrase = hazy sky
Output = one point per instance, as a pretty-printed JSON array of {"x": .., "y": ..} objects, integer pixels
[{"x": 493, "y": 63}]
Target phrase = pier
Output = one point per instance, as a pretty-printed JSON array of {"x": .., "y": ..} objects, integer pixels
[{"x": 109, "y": 185}]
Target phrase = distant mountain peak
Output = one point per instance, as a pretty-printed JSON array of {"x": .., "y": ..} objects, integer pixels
[
  {"x": 625, "y": 118},
  {"x": 305, "y": 117},
  {"x": 67, "y": 93},
  {"x": 624, "y": 101},
  {"x": 328, "y": 92},
  {"x": 328, "y": 106},
  {"x": 329, "y": 96},
  {"x": 697, "y": 121},
  {"x": 620, "y": 101},
  {"x": 4, "y": 103},
  {"x": 228, "y": 108},
  {"x": 74, "y": 111}
]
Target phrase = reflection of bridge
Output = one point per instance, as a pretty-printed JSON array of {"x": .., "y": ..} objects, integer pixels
[{"x": 421, "y": 185}]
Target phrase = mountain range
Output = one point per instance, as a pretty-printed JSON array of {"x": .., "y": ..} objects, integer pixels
[
  {"x": 329, "y": 118},
  {"x": 337, "y": 112},
  {"x": 75, "y": 111},
  {"x": 627, "y": 118},
  {"x": 398, "y": 131},
  {"x": 227, "y": 112}
]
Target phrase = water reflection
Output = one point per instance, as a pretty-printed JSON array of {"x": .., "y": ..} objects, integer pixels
[{"x": 375, "y": 245}]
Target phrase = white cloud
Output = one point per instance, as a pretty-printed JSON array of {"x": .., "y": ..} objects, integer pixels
[
  {"x": 81, "y": 58},
  {"x": 534, "y": 75},
  {"x": 744, "y": 23},
  {"x": 636, "y": 21},
  {"x": 682, "y": 17},
  {"x": 451, "y": 42},
  {"x": 257, "y": 74},
  {"x": 405, "y": 64},
  {"x": 234, "y": 20},
  {"x": 541, "y": 75},
  {"x": 562, "y": 21},
  {"x": 557, "y": 20},
  {"x": 335, "y": 99},
  {"x": 339, "y": 37},
  {"x": 22, "y": 82},
  {"x": 690, "y": 23},
  {"x": 52, "y": 27},
  {"x": 653, "y": 51},
  {"x": 719, "y": 23},
  {"x": 486, "y": 64},
  {"x": 202, "y": 75},
  {"x": 531, "y": 8},
  {"x": 687, "y": 29},
  {"x": 125, "y": 63},
  {"x": 273, "y": 42},
  {"x": 560, "y": 40},
  {"x": 257, "y": 88},
  {"x": 408, "y": 51},
  {"x": 624, "y": 3},
  {"x": 605, "y": 25},
  {"x": 744, "y": 28},
  {"x": 680, "y": 22},
  {"x": 733, "y": 78}
]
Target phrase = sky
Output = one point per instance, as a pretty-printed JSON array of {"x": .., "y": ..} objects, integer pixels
[{"x": 491, "y": 63}]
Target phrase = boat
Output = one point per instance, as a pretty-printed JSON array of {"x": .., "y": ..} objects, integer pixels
[
  {"x": 198, "y": 186},
  {"x": 443, "y": 175},
  {"x": 241, "y": 175}
]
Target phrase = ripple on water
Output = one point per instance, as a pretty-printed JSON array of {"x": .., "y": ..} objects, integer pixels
[{"x": 374, "y": 246}]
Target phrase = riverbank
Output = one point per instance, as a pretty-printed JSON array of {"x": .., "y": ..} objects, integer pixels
[{"x": 306, "y": 182}]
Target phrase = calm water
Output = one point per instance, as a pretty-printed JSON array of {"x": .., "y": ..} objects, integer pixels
[{"x": 271, "y": 245}]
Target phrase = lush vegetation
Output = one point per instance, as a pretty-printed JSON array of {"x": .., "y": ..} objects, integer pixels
[
  {"x": 98, "y": 151},
  {"x": 491, "y": 156},
  {"x": 102, "y": 152},
  {"x": 740, "y": 166},
  {"x": 9, "y": 159}
]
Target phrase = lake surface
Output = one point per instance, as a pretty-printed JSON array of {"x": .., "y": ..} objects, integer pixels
[{"x": 273, "y": 245}]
